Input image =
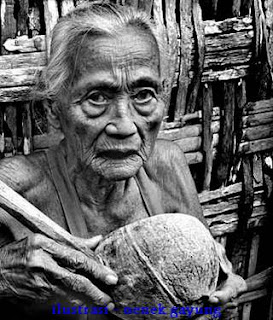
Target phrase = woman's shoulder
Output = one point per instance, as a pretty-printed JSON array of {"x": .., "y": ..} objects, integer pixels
[
  {"x": 23, "y": 173},
  {"x": 166, "y": 154}
]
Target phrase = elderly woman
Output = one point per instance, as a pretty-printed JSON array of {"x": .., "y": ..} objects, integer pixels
[{"x": 103, "y": 87}]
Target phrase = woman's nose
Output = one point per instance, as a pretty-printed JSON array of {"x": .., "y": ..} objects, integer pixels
[{"x": 122, "y": 122}]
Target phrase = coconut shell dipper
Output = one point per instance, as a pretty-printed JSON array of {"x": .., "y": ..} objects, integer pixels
[{"x": 167, "y": 259}]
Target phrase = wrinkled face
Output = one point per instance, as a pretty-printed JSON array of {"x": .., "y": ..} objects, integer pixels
[{"x": 112, "y": 115}]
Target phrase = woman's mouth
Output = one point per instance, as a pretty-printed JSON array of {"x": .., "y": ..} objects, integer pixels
[{"x": 117, "y": 154}]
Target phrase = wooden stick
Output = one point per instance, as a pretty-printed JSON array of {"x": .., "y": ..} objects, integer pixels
[
  {"x": 253, "y": 257},
  {"x": 186, "y": 48},
  {"x": 260, "y": 280},
  {"x": 51, "y": 16},
  {"x": 258, "y": 119},
  {"x": 226, "y": 148},
  {"x": 207, "y": 135},
  {"x": 8, "y": 22},
  {"x": 22, "y": 17},
  {"x": 258, "y": 107},
  {"x": 257, "y": 133},
  {"x": 27, "y": 128},
  {"x": 66, "y": 6},
  {"x": 236, "y": 7},
  {"x": 31, "y": 217},
  {"x": 256, "y": 146}
]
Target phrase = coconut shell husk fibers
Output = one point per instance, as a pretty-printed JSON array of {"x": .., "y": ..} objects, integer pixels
[{"x": 169, "y": 259}]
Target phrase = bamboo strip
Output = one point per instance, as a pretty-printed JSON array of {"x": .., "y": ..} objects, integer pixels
[
  {"x": 11, "y": 119},
  {"x": 66, "y": 6},
  {"x": 253, "y": 256},
  {"x": 270, "y": 311},
  {"x": 232, "y": 190},
  {"x": 22, "y": 60},
  {"x": 225, "y": 59},
  {"x": 257, "y": 119},
  {"x": 253, "y": 295},
  {"x": 258, "y": 107},
  {"x": 186, "y": 49},
  {"x": 194, "y": 143},
  {"x": 15, "y": 94},
  {"x": 256, "y": 146},
  {"x": 229, "y": 41},
  {"x": 34, "y": 20},
  {"x": 187, "y": 131},
  {"x": 214, "y": 8},
  {"x": 194, "y": 157},
  {"x": 228, "y": 25},
  {"x": 240, "y": 100},
  {"x": 199, "y": 57},
  {"x": 261, "y": 280},
  {"x": 8, "y": 22},
  {"x": 233, "y": 73},
  {"x": 228, "y": 222},
  {"x": 236, "y": 8},
  {"x": 207, "y": 135},
  {"x": 45, "y": 141},
  {"x": 2, "y": 135},
  {"x": 247, "y": 5},
  {"x": 172, "y": 48},
  {"x": 27, "y": 129},
  {"x": 19, "y": 77},
  {"x": 51, "y": 16},
  {"x": 257, "y": 133},
  {"x": 22, "y": 17},
  {"x": 226, "y": 147}
]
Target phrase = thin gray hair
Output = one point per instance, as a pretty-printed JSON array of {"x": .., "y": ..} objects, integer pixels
[{"x": 97, "y": 18}]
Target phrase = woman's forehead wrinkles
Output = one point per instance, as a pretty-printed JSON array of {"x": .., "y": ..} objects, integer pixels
[{"x": 117, "y": 53}]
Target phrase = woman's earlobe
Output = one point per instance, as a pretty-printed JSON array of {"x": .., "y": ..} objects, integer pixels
[{"x": 52, "y": 114}]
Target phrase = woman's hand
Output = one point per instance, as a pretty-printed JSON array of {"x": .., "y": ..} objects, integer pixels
[
  {"x": 232, "y": 286},
  {"x": 38, "y": 268}
]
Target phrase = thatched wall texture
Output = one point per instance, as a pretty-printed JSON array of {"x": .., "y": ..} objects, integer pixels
[{"x": 219, "y": 109}]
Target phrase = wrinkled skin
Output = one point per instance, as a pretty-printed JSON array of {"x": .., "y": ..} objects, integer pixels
[
  {"x": 110, "y": 117},
  {"x": 37, "y": 268},
  {"x": 114, "y": 110}
]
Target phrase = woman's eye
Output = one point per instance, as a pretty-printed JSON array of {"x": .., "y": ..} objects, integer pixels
[
  {"x": 144, "y": 96},
  {"x": 97, "y": 98}
]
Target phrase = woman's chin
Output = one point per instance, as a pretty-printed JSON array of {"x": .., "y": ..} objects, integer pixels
[{"x": 120, "y": 169}]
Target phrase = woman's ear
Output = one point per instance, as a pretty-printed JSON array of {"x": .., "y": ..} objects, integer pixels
[{"x": 52, "y": 111}]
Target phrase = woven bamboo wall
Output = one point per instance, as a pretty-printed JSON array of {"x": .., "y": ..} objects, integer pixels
[{"x": 219, "y": 109}]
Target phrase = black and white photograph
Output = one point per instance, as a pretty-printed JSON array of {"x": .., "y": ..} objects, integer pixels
[{"x": 136, "y": 159}]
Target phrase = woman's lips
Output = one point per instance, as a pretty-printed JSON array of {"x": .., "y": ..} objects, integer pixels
[{"x": 117, "y": 154}]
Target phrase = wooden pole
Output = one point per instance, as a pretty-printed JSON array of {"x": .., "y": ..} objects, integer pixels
[
  {"x": 186, "y": 49},
  {"x": 207, "y": 135},
  {"x": 8, "y": 22},
  {"x": 224, "y": 161},
  {"x": 27, "y": 128},
  {"x": 22, "y": 24},
  {"x": 236, "y": 8},
  {"x": 66, "y": 6},
  {"x": 172, "y": 49},
  {"x": 51, "y": 14},
  {"x": 200, "y": 57}
]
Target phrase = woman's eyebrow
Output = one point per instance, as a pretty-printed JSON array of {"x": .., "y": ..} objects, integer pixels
[
  {"x": 112, "y": 86},
  {"x": 145, "y": 82}
]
